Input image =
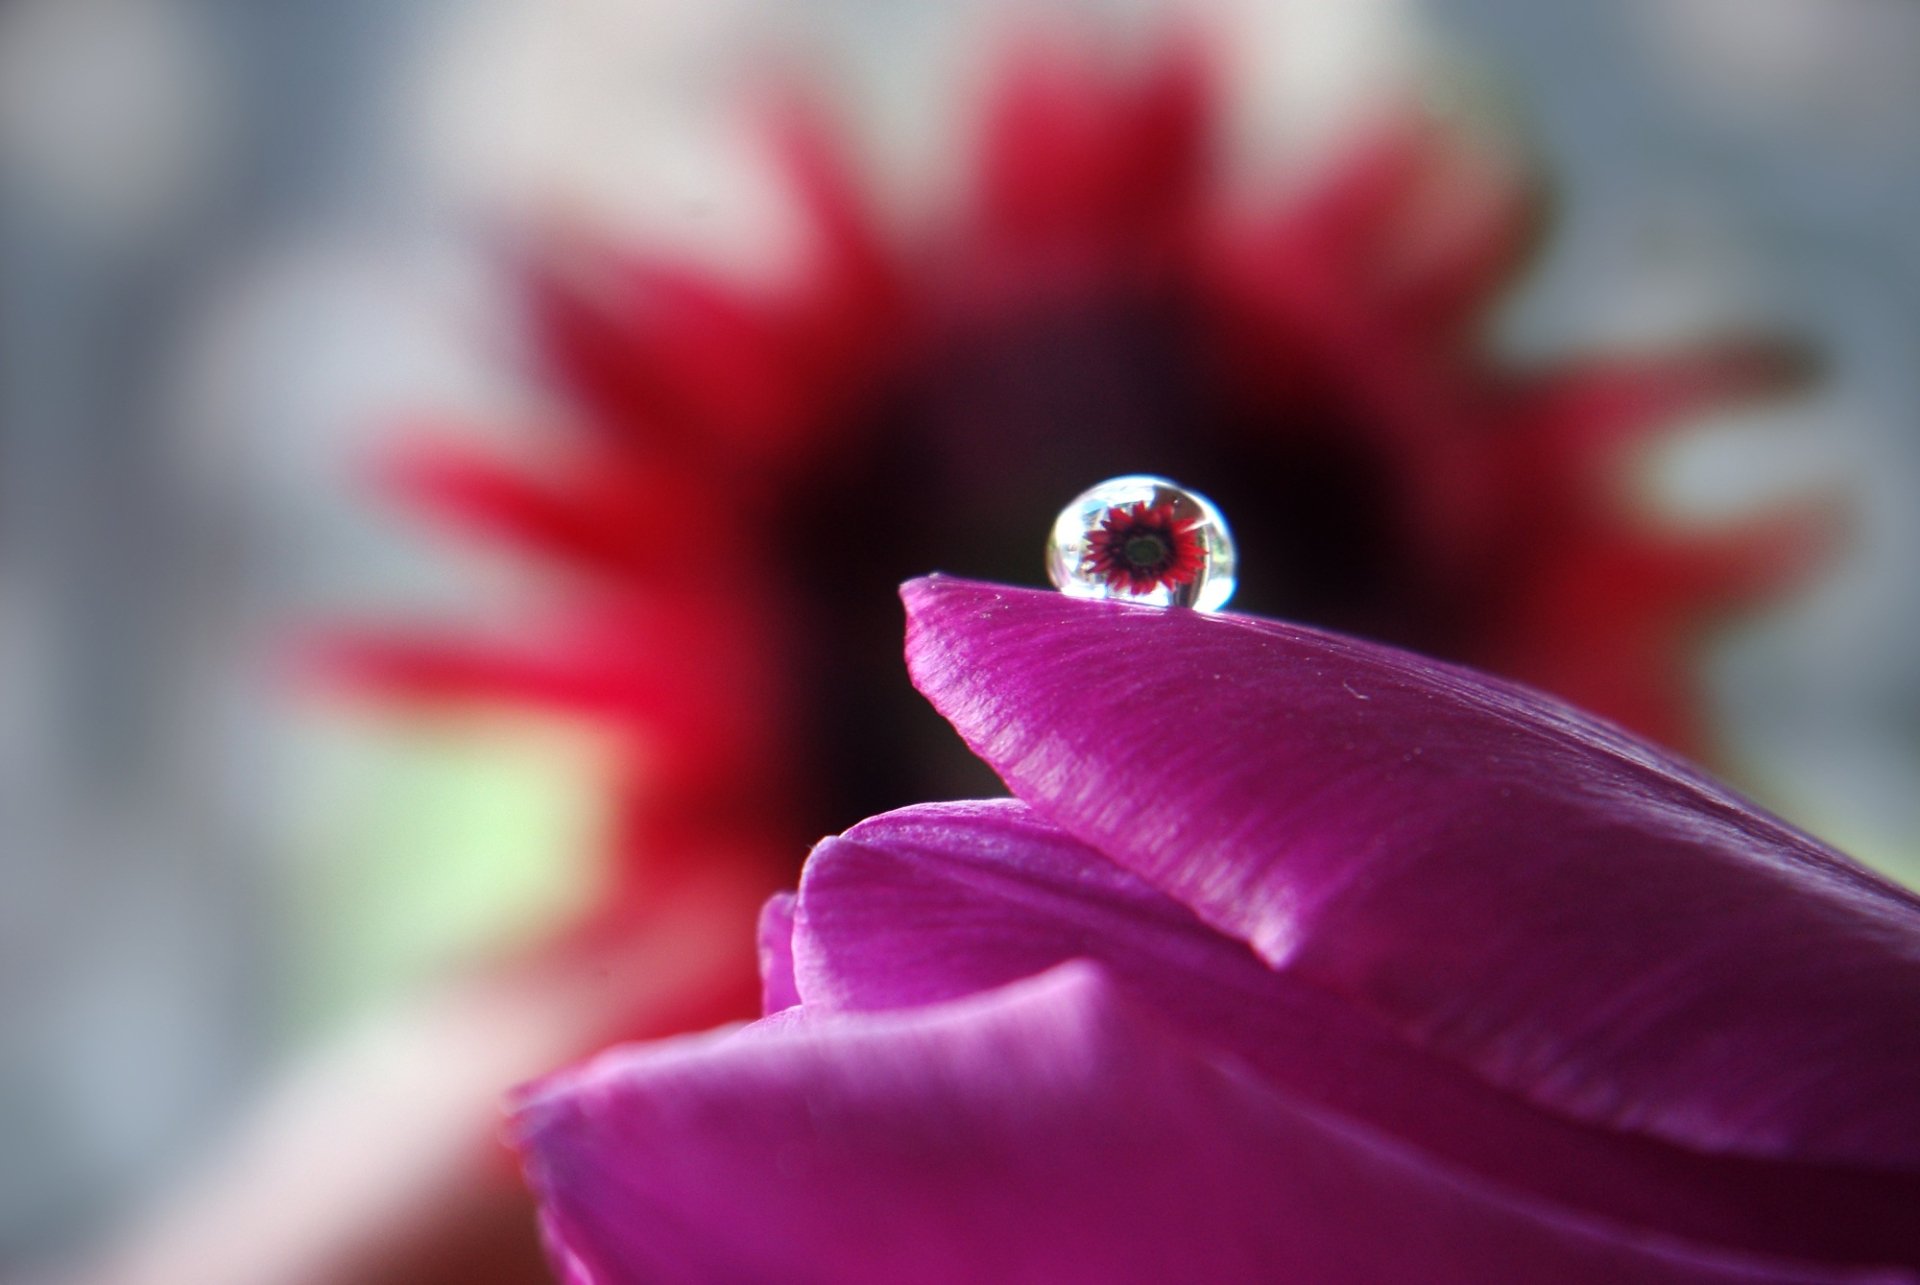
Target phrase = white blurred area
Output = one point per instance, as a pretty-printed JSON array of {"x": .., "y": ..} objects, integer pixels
[
  {"x": 1727, "y": 162},
  {"x": 236, "y": 240}
]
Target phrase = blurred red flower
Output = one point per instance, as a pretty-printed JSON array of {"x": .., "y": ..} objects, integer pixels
[{"x": 753, "y": 468}]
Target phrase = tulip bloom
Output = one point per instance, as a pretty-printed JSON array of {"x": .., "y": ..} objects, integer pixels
[{"x": 1295, "y": 958}]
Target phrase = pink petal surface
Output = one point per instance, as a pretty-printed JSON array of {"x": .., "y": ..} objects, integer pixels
[
  {"x": 1047, "y": 1131},
  {"x": 1505, "y": 882},
  {"x": 939, "y": 901}
]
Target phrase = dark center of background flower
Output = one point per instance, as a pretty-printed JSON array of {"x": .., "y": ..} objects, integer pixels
[{"x": 965, "y": 459}]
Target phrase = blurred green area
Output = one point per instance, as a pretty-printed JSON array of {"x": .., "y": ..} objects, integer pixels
[{"x": 433, "y": 843}]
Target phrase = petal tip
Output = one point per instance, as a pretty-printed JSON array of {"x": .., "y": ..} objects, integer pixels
[{"x": 922, "y": 591}]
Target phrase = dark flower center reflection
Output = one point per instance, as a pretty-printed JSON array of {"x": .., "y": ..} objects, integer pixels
[{"x": 1147, "y": 553}]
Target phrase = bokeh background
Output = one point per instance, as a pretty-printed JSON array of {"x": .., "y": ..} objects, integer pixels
[{"x": 272, "y": 942}]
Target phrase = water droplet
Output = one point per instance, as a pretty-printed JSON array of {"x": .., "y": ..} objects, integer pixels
[{"x": 1143, "y": 539}]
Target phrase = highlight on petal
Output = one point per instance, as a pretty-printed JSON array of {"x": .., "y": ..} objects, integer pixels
[
  {"x": 1046, "y": 1131},
  {"x": 777, "y": 989},
  {"x": 1503, "y": 881}
]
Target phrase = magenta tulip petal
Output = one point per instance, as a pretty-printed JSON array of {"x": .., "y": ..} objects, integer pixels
[
  {"x": 777, "y": 990},
  {"x": 1566, "y": 911},
  {"x": 1046, "y": 1131},
  {"x": 939, "y": 901}
]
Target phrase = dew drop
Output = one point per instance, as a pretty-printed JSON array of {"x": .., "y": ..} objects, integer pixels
[{"x": 1143, "y": 539}]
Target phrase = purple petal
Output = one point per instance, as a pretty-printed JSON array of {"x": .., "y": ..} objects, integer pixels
[
  {"x": 1567, "y": 911},
  {"x": 777, "y": 989},
  {"x": 1043, "y": 1132},
  {"x": 939, "y": 901}
]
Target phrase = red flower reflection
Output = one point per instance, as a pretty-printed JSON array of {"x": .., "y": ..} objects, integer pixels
[{"x": 1141, "y": 549}]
